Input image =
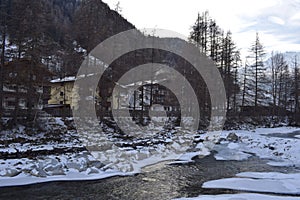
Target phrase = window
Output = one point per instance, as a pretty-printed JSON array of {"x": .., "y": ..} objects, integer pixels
[
  {"x": 9, "y": 103},
  {"x": 39, "y": 89},
  {"x": 22, "y": 103},
  {"x": 13, "y": 74},
  {"x": 22, "y": 89},
  {"x": 9, "y": 88},
  {"x": 61, "y": 93}
]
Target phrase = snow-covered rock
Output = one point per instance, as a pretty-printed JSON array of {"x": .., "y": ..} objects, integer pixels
[
  {"x": 77, "y": 166},
  {"x": 38, "y": 172},
  {"x": 10, "y": 172},
  {"x": 232, "y": 137}
]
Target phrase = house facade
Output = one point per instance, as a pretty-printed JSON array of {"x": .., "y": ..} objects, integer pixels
[
  {"x": 62, "y": 98},
  {"x": 25, "y": 87}
]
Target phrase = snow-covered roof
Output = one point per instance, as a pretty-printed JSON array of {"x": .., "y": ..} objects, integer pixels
[
  {"x": 140, "y": 83},
  {"x": 65, "y": 79}
]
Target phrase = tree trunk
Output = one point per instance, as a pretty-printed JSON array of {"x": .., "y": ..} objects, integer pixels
[{"x": 1, "y": 72}]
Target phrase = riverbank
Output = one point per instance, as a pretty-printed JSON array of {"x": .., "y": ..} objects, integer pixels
[{"x": 81, "y": 165}]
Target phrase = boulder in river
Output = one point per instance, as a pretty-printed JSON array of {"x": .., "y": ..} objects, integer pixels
[{"x": 232, "y": 137}]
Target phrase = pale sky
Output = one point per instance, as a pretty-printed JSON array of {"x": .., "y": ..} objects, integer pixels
[{"x": 277, "y": 21}]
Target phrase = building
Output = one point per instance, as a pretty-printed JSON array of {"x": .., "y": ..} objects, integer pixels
[
  {"x": 134, "y": 97},
  {"x": 144, "y": 97},
  {"x": 61, "y": 99},
  {"x": 25, "y": 88},
  {"x": 64, "y": 97},
  {"x": 61, "y": 91}
]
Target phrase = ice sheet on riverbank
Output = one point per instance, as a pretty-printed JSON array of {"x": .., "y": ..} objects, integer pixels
[
  {"x": 23, "y": 179},
  {"x": 243, "y": 196},
  {"x": 271, "y": 182},
  {"x": 279, "y": 145},
  {"x": 281, "y": 150}
]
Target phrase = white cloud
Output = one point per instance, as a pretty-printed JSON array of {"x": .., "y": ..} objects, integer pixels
[
  {"x": 295, "y": 17},
  {"x": 277, "y": 20}
]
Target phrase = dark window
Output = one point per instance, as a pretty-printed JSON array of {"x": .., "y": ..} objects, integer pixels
[{"x": 11, "y": 103}]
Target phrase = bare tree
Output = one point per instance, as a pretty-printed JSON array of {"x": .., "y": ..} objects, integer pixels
[
  {"x": 277, "y": 68},
  {"x": 257, "y": 71}
]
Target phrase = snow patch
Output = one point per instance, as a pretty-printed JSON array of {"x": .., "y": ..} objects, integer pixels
[
  {"x": 277, "y": 183},
  {"x": 243, "y": 196}
]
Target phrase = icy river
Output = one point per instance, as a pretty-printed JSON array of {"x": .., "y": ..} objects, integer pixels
[
  {"x": 261, "y": 164},
  {"x": 159, "y": 181}
]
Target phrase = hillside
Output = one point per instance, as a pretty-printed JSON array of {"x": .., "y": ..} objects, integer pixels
[{"x": 57, "y": 29}]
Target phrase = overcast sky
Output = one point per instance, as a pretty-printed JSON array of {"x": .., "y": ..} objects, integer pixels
[{"x": 277, "y": 21}]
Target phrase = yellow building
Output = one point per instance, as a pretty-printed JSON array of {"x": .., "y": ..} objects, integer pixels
[
  {"x": 64, "y": 97},
  {"x": 61, "y": 92}
]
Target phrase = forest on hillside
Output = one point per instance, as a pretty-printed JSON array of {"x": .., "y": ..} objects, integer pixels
[
  {"x": 59, "y": 34},
  {"x": 262, "y": 83}
]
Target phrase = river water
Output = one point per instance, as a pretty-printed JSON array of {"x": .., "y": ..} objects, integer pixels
[{"x": 159, "y": 182}]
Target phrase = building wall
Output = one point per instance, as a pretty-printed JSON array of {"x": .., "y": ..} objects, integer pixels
[
  {"x": 24, "y": 83},
  {"x": 62, "y": 93}
]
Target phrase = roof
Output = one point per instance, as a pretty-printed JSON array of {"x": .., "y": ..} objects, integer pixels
[
  {"x": 65, "y": 79},
  {"x": 20, "y": 69}
]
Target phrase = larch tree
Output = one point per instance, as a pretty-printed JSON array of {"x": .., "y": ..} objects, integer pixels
[
  {"x": 257, "y": 72},
  {"x": 244, "y": 84},
  {"x": 210, "y": 39},
  {"x": 296, "y": 90},
  {"x": 277, "y": 64}
]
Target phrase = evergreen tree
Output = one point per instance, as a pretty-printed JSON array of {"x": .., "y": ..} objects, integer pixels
[
  {"x": 5, "y": 9},
  {"x": 257, "y": 72},
  {"x": 208, "y": 36},
  {"x": 244, "y": 83},
  {"x": 296, "y": 88},
  {"x": 227, "y": 67}
]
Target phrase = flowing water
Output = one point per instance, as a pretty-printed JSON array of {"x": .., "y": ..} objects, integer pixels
[{"x": 160, "y": 182}]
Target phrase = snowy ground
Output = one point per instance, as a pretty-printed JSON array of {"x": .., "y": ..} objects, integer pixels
[
  {"x": 278, "y": 145},
  {"x": 269, "y": 143},
  {"x": 60, "y": 154},
  {"x": 243, "y": 196},
  {"x": 53, "y": 153},
  {"x": 123, "y": 156}
]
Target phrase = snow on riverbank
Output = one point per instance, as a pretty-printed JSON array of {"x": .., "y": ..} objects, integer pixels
[
  {"x": 14, "y": 172},
  {"x": 24, "y": 179},
  {"x": 133, "y": 156},
  {"x": 31, "y": 156},
  {"x": 275, "y": 144},
  {"x": 280, "y": 145},
  {"x": 270, "y": 182},
  {"x": 243, "y": 196},
  {"x": 68, "y": 166}
]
